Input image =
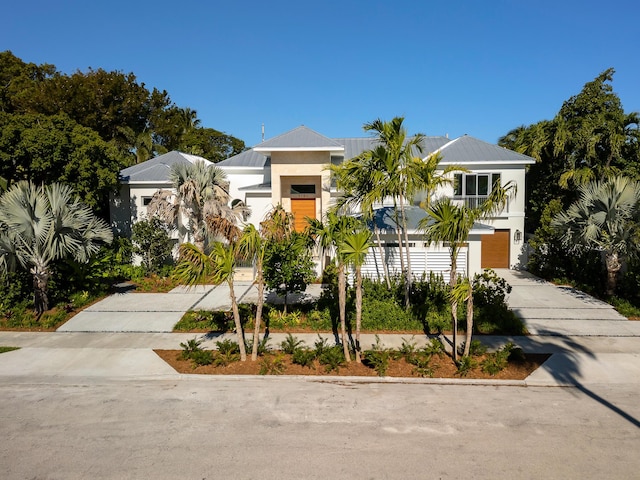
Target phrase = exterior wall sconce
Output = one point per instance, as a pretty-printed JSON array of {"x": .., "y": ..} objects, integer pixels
[{"x": 517, "y": 236}]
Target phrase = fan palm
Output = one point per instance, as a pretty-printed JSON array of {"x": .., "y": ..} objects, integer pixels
[
  {"x": 41, "y": 224},
  {"x": 605, "y": 217},
  {"x": 202, "y": 197}
]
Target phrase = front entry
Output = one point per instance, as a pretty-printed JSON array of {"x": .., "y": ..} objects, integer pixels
[
  {"x": 495, "y": 250},
  {"x": 302, "y": 208}
]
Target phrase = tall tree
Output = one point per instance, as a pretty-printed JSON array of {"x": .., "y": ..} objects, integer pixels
[
  {"x": 591, "y": 137},
  {"x": 605, "y": 217},
  {"x": 202, "y": 197},
  {"x": 41, "y": 224},
  {"x": 330, "y": 237},
  {"x": 353, "y": 250},
  {"x": 47, "y": 149},
  {"x": 450, "y": 223}
]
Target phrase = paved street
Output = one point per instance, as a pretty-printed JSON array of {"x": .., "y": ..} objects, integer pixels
[
  {"x": 84, "y": 404},
  {"x": 291, "y": 428}
]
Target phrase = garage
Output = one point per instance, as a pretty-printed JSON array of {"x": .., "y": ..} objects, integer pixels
[{"x": 495, "y": 249}]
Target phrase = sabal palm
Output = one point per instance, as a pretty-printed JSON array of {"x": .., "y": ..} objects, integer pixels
[
  {"x": 605, "y": 218},
  {"x": 202, "y": 192},
  {"x": 354, "y": 250},
  {"x": 329, "y": 237},
  {"x": 196, "y": 267},
  {"x": 450, "y": 223},
  {"x": 41, "y": 224}
]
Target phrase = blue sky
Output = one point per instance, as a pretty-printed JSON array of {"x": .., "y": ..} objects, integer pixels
[{"x": 450, "y": 67}]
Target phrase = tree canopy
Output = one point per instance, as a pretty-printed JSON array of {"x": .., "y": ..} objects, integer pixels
[
  {"x": 89, "y": 125},
  {"x": 591, "y": 137}
]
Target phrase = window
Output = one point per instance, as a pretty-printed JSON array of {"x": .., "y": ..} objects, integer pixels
[
  {"x": 474, "y": 184},
  {"x": 303, "y": 189},
  {"x": 146, "y": 201}
]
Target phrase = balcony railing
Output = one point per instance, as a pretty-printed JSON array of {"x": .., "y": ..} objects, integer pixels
[{"x": 474, "y": 201}]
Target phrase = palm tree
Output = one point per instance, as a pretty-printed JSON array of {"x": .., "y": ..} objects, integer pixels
[
  {"x": 605, "y": 218},
  {"x": 463, "y": 293},
  {"x": 252, "y": 245},
  {"x": 196, "y": 267},
  {"x": 41, "y": 224},
  {"x": 395, "y": 152},
  {"x": 359, "y": 180},
  {"x": 330, "y": 237},
  {"x": 353, "y": 250},
  {"x": 202, "y": 197},
  {"x": 451, "y": 223}
]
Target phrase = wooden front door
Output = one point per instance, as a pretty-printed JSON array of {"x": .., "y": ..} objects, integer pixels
[
  {"x": 495, "y": 250},
  {"x": 302, "y": 208}
]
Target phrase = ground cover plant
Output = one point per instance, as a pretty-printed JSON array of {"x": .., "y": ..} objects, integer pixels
[{"x": 294, "y": 357}]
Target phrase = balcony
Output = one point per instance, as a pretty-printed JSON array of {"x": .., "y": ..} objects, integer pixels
[{"x": 474, "y": 201}]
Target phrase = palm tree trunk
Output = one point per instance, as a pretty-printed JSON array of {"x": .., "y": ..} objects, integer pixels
[
  {"x": 613, "y": 264},
  {"x": 238, "y": 323},
  {"x": 40, "y": 288},
  {"x": 342, "y": 306},
  {"x": 358, "y": 310},
  {"x": 258, "y": 321},
  {"x": 454, "y": 303},
  {"x": 467, "y": 342},
  {"x": 407, "y": 286},
  {"x": 383, "y": 261}
]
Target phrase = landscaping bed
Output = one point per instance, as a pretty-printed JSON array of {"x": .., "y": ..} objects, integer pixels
[{"x": 508, "y": 363}]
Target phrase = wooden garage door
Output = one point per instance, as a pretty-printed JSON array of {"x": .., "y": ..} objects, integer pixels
[
  {"x": 495, "y": 250},
  {"x": 301, "y": 208}
]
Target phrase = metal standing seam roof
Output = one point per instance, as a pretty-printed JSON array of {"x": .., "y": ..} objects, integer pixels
[
  {"x": 246, "y": 159},
  {"x": 467, "y": 150},
  {"x": 300, "y": 137},
  {"x": 156, "y": 170}
]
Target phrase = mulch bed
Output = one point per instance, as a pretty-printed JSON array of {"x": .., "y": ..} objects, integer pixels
[{"x": 442, "y": 367}]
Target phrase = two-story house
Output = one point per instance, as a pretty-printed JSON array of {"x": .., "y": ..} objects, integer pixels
[{"x": 291, "y": 169}]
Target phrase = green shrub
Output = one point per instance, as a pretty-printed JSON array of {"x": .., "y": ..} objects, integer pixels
[
  {"x": 152, "y": 242},
  {"x": 477, "y": 348},
  {"x": 381, "y": 314},
  {"x": 227, "y": 346},
  {"x": 332, "y": 358},
  {"x": 304, "y": 357},
  {"x": 465, "y": 365},
  {"x": 320, "y": 319},
  {"x": 434, "y": 347},
  {"x": 190, "y": 347},
  {"x": 497, "y": 361},
  {"x": 290, "y": 344},
  {"x": 438, "y": 322},
  {"x": 378, "y": 360},
  {"x": 203, "y": 320},
  {"x": 202, "y": 357},
  {"x": 321, "y": 345},
  {"x": 272, "y": 365}
]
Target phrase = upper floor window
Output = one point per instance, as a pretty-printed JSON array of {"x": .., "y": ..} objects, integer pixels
[{"x": 474, "y": 184}]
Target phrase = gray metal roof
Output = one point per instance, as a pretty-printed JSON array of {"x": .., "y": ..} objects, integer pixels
[
  {"x": 247, "y": 159},
  {"x": 300, "y": 137},
  {"x": 260, "y": 186},
  {"x": 462, "y": 150},
  {"x": 157, "y": 169},
  {"x": 467, "y": 150}
]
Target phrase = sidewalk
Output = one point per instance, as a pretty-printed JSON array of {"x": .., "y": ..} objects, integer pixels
[{"x": 589, "y": 341}]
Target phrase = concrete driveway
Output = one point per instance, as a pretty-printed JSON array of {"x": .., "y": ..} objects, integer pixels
[{"x": 548, "y": 309}]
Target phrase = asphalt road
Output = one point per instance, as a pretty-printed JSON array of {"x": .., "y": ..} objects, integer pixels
[{"x": 290, "y": 428}]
